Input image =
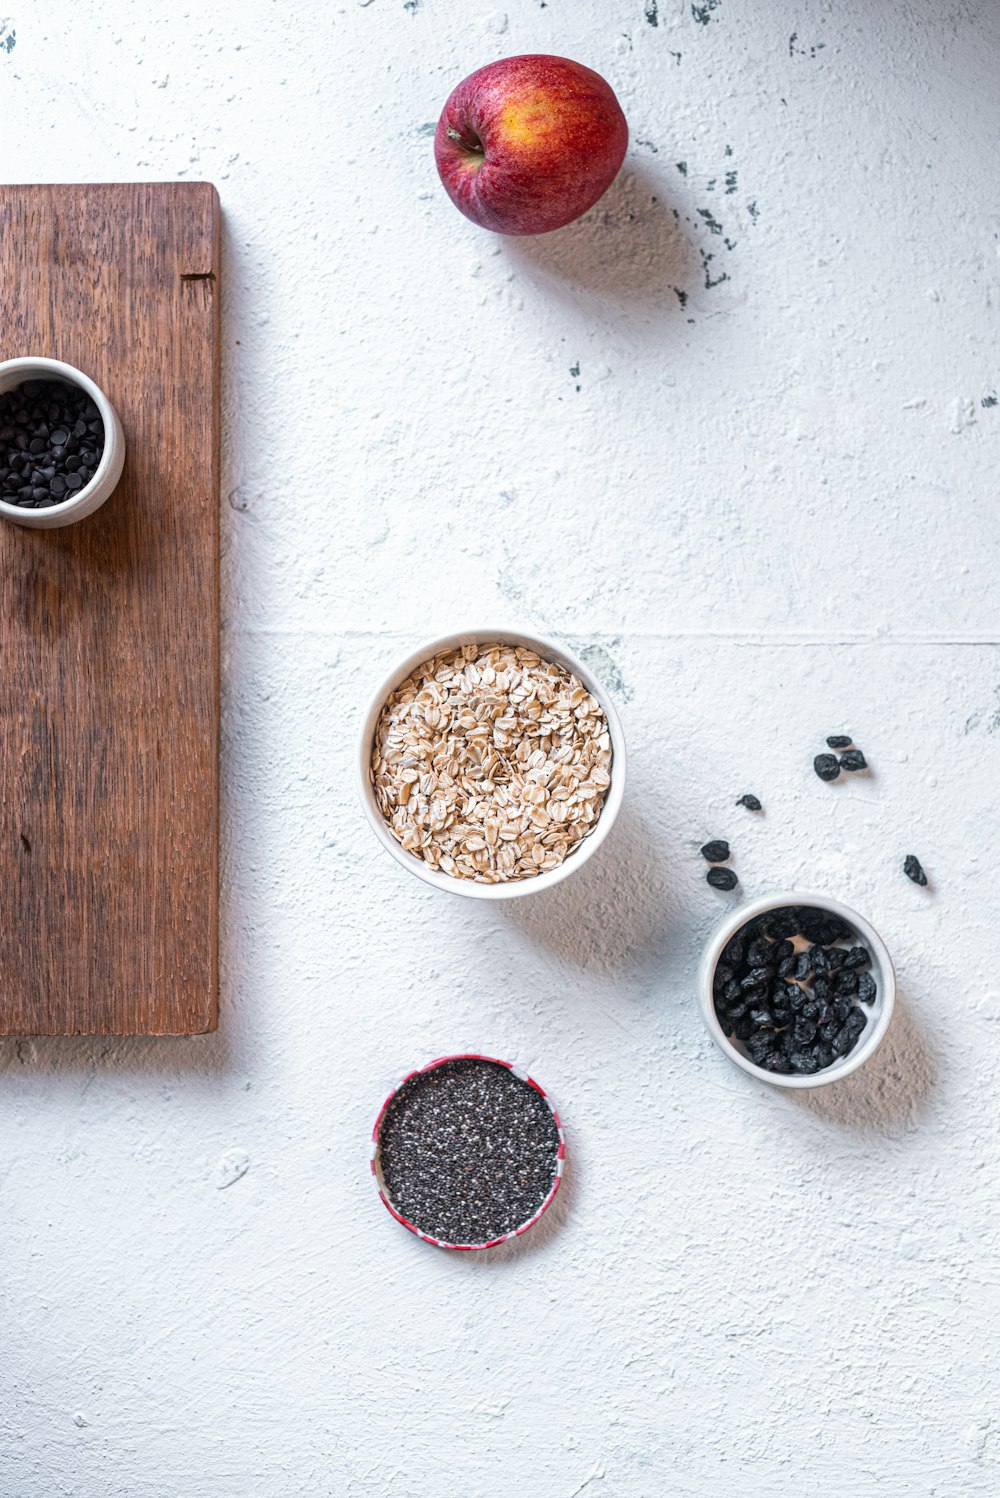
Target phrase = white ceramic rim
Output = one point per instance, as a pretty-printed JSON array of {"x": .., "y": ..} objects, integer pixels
[
  {"x": 876, "y": 1028},
  {"x": 109, "y": 469},
  {"x": 515, "y": 889}
]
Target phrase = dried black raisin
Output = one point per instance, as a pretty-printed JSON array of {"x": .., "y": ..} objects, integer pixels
[
  {"x": 913, "y": 870},
  {"x": 831, "y": 928},
  {"x": 839, "y": 741},
  {"x": 853, "y": 760},
  {"x": 759, "y": 1046},
  {"x": 735, "y": 948},
  {"x": 759, "y": 952},
  {"x": 750, "y": 802},
  {"x": 867, "y": 988},
  {"x": 782, "y": 923},
  {"x": 826, "y": 766},
  {"x": 803, "y": 1032},
  {"x": 857, "y": 957},
  {"x": 856, "y": 1021},
  {"x": 756, "y": 978},
  {"x": 717, "y": 851},
  {"x": 722, "y": 879}
]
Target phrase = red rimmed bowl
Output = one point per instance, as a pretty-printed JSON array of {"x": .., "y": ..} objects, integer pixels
[{"x": 412, "y": 1226}]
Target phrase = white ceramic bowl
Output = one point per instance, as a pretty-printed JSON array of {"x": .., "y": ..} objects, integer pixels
[
  {"x": 550, "y": 651},
  {"x": 880, "y": 1012},
  {"x": 90, "y": 498}
]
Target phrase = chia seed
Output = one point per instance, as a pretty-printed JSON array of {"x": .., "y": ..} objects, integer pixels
[{"x": 467, "y": 1151}]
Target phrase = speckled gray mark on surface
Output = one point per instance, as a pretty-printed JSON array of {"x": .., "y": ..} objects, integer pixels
[
  {"x": 794, "y": 51},
  {"x": 604, "y": 667}
]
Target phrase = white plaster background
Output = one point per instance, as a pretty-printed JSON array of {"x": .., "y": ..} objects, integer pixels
[{"x": 765, "y": 515}]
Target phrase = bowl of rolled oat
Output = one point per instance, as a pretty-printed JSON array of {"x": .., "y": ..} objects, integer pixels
[{"x": 491, "y": 763}]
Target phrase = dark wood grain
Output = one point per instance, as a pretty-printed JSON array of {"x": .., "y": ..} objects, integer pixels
[{"x": 109, "y": 681}]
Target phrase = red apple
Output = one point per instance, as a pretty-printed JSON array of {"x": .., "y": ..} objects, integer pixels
[{"x": 527, "y": 144}]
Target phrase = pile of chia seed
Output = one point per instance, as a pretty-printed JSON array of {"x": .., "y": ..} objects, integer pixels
[{"x": 467, "y": 1151}]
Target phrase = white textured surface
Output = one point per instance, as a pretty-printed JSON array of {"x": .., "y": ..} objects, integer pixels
[{"x": 765, "y": 516}]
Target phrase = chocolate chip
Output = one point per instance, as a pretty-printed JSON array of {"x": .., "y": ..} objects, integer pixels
[{"x": 37, "y": 462}]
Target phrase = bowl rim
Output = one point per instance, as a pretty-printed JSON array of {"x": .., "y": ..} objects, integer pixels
[
  {"x": 58, "y": 369},
  {"x": 505, "y": 1237},
  {"x": 880, "y": 958},
  {"x": 548, "y": 649}
]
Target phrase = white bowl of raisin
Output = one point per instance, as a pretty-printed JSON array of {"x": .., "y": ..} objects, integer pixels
[{"x": 797, "y": 989}]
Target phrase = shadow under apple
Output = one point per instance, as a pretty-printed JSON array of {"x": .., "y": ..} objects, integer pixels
[{"x": 628, "y": 249}]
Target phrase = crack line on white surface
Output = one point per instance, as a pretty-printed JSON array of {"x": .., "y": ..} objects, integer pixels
[
  {"x": 574, "y": 631},
  {"x": 597, "y": 1472}
]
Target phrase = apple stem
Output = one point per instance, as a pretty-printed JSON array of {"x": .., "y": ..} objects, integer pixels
[{"x": 475, "y": 145}]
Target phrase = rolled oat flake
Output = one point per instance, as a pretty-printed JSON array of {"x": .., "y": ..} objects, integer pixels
[{"x": 468, "y": 1152}]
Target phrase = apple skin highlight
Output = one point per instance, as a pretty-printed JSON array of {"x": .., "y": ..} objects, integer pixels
[{"x": 528, "y": 144}]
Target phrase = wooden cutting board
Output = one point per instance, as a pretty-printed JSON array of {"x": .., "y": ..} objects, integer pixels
[{"x": 109, "y": 655}]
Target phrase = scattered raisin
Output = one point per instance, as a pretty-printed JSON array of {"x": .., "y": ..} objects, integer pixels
[
  {"x": 722, "y": 879},
  {"x": 826, "y": 766},
  {"x": 750, "y": 802},
  {"x": 913, "y": 870},
  {"x": 716, "y": 851},
  {"x": 853, "y": 760},
  {"x": 839, "y": 741}
]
